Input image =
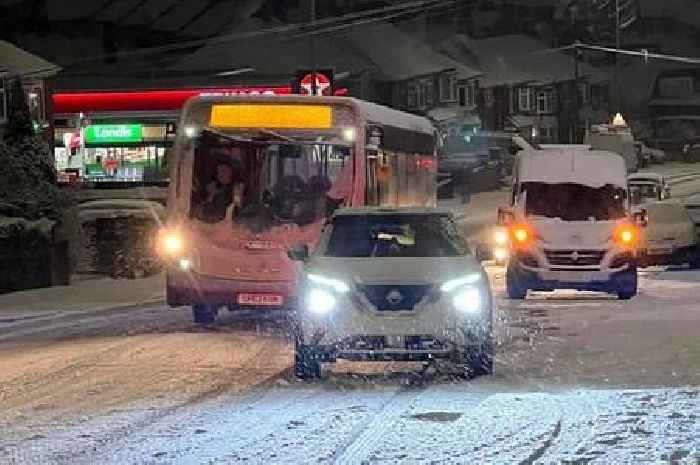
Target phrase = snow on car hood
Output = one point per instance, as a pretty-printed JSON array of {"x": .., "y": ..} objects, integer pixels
[
  {"x": 389, "y": 270},
  {"x": 557, "y": 234}
]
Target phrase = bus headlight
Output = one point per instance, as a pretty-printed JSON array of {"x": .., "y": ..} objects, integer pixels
[
  {"x": 171, "y": 244},
  {"x": 320, "y": 301},
  {"x": 185, "y": 264},
  {"x": 468, "y": 300}
]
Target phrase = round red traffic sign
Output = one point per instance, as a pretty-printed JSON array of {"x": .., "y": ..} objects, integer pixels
[{"x": 323, "y": 84}]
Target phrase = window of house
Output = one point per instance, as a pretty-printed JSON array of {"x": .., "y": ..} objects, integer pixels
[
  {"x": 420, "y": 97},
  {"x": 429, "y": 94},
  {"x": 467, "y": 96},
  {"x": 411, "y": 96},
  {"x": 544, "y": 101},
  {"x": 3, "y": 103},
  {"x": 582, "y": 93},
  {"x": 525, "y": 102},
  {"x": 448, "y": 88}
]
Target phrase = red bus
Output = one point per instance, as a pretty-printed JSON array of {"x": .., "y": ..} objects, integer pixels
[{"x": 253, "y": 176}]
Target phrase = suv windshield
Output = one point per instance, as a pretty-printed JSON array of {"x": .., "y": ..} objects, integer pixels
[
  {"x": 574, "y": 202},
  {"x": 395, "y": 236},
  {"x": 261, "y": 183},
  {"x": 641, "y": 192}
]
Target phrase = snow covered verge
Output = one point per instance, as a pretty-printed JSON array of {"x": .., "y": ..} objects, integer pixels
[{"x": 441, "y": 423}]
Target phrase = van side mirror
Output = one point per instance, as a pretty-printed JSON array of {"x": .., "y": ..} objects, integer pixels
[
  {"x": 641, "y": 218},
  {"x": 505, "y": 216},
  {"x": 298, "y": 252}
]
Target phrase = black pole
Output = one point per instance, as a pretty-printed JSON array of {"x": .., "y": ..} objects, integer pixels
[
  {"x": 312, "y": 44},
  {"x": 618, "y": 86},
  {"x": 577, "y": 101}
]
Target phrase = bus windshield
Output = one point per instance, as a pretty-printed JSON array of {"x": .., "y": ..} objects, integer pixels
[{"x": 262, "y": 183}]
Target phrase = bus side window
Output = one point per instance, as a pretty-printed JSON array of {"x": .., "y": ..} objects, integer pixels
[{"x": 371, "y": 181}]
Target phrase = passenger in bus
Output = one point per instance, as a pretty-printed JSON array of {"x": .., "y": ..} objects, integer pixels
[{"x": 221, "y": 192}]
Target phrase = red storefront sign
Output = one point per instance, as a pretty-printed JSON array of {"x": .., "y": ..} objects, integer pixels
[{"x": 151, "y": 100}]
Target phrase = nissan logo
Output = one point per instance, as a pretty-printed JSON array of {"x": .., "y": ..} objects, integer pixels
[{"x": 394, "y": 297}]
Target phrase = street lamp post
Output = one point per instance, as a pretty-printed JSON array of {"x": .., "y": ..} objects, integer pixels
[{"x": 618, "y": 81}]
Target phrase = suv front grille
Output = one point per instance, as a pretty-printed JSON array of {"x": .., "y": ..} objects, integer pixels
[
  {"x": 395, "y": 297},
  {"x": 574, "y": 257}
]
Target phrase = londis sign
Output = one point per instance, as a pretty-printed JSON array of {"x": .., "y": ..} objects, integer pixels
[{"x": 113, "y": 133}]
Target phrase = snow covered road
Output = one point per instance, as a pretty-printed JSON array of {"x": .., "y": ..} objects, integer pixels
[{"x": 580, "y": 379}]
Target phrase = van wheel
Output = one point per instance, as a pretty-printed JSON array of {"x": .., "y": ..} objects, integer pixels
[
  {"x": 204, "y": 314},
  {"x": 627, "y": 285},
  {"x": 514, "y": 289}
]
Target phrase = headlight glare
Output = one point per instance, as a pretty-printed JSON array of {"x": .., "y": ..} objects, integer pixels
[
  {"x": 468, "y": 300},
  {"x": 453, "y": 284},
  {"x": 336, "y": 284},
  {"x": 320, "y": 301}
]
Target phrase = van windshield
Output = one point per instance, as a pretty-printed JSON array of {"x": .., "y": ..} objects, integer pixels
[
  {"x": 574, "y": 202},
  {"x": 260, "y": 183}
]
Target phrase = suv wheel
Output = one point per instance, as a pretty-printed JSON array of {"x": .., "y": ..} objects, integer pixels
[
  {"x": 307, "y": 360},
  {"x": 204, "y": 314},
  {"x": 475, "y": 360}
]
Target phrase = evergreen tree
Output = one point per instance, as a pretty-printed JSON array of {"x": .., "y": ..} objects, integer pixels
[{"x": 19, "y": 121}]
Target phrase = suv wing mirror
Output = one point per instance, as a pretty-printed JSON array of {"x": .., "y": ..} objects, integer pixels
[
  {"x": 298, "y": 252},
  {"x": 505, "y": 216}
]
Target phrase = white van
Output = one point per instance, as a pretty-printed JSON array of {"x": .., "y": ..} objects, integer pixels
[
  {"x": 570, "y": 225},
  {"x": 670, "y": 237},
  {"x": 617, "y": 139}
]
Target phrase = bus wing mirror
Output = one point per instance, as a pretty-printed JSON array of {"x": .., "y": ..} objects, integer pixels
[
  {"x": 505, "y": 216},
  {"x": 298, "y": 252},
  {"x": 641, "y": 218}
]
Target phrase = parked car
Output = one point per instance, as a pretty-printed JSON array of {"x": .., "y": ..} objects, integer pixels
[
  {"x": 392, "y": 284},
  {"x": 467, "y": 166},
  {"x": 692, "y": 206},
  {"x": 616, "y": 139},
  {"x": 652, "y": 154},
  {"x": 691, "y": 150},
  {"x": 670, "y": 237},
  {"x": 647, "y": 187}
]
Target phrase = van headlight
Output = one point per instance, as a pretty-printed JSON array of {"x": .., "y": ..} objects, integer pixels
[
  {"x": 320, "y": 301},
  {"x": 468, "y": 300}
]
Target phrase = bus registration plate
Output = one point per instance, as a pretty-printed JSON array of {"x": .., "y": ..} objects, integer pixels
[{"x": 266, "y": 300}]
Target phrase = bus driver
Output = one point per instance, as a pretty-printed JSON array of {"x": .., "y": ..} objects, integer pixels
[{"x": 220, "y": 193}]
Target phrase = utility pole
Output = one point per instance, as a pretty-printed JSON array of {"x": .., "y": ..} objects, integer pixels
[
  {"x": 618, "y": 81},
  {"x": 577, "y": 101},
  {"x": 312, "y": 45}
]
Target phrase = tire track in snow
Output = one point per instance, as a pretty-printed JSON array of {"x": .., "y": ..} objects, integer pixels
[
  {"x": 362, "y": 440},
  {"x": 540, "y": 451}
]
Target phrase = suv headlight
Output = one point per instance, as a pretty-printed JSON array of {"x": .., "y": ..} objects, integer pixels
[
  {"x": 468, "y": 300},
  {"x": 466, "y": 294},
  {"x": 336, "y": 284},
  {"x": 321, "y": 295},
  {"x": 453, "y": 284},
  {"x": 320, "y": 301}
]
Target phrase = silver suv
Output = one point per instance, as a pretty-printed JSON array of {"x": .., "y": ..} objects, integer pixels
[{"x": 392, "y": 284}]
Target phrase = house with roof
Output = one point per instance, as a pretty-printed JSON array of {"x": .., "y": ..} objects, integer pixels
[
  {"x": 527, "y": 86},
  {"x": 414, "y": 77},
  {"x": 33, "y": 71}
]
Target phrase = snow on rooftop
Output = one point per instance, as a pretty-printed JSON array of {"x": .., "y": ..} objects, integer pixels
[
  {"x": 18, "y": 61},
  {"x": 400, "y": 56},
  {"x": 514, "y": 59}
]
